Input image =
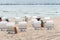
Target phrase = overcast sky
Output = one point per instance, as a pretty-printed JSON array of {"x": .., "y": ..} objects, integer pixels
[{"x": 28, "y": 1}]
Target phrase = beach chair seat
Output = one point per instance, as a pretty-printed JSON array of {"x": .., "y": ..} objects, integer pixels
[
  {"x": 22, "y": 26},
  {"x": 36, "y": 25},
  {"x": 49, "y": 25}
]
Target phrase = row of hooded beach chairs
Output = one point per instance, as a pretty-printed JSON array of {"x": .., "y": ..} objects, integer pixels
[
  {"x": 9, "y": 26},
  {"x": 47, "y": 23}
]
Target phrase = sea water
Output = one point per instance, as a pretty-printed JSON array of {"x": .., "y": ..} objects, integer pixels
[{"x": 32, "y": 10}]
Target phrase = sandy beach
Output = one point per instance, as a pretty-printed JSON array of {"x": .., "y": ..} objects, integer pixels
[{"x": 32, "y": 34}]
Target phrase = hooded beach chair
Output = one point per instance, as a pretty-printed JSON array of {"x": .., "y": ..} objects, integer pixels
[
  {"x": 3, "y": 25},
  {"x": 36, "y": 25},
  {"x": 22, "y": 26},
  {"x": 10, "y": 27},
  {"x": 49, "y": 24}
]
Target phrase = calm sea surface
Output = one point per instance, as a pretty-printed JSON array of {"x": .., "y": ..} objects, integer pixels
[{"x": 22, "y": 10}]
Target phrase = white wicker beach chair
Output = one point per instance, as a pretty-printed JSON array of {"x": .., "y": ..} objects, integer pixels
[
  {"x": 46, "y": 19},
  {"x": 10, "y": 27},
  {"x": 49, "y": 25},
  {"x": 3, "y": 25},
  {"x": 37, "y": 25},
  {"x": 22, "y": 26}
]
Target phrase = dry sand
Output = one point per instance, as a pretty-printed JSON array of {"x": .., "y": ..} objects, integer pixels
[{"x": 32, "y": 34}]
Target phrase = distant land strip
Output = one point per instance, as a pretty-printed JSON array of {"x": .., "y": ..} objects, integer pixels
[{"x": 31, "y": 4}]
